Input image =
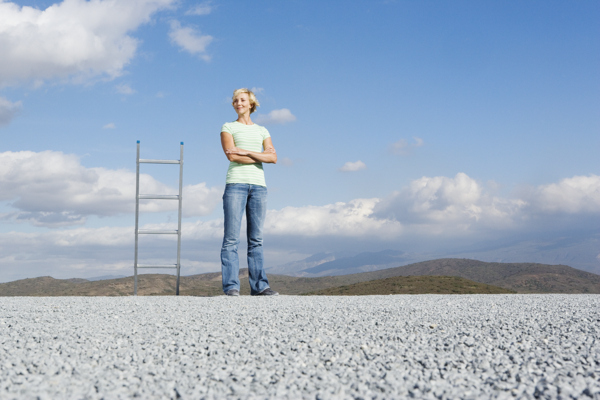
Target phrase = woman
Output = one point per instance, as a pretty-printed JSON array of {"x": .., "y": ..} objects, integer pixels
[{"x": 245, "y": 189}]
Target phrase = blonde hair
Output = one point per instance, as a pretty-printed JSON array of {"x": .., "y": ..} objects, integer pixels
[{"x": 251, "y": 97}]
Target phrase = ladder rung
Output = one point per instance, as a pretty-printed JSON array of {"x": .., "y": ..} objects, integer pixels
[
  {"x": 156, "y": 232},
  {"x": 149, "y": 161},
  {"x": 158, "y": 266},
  {"x": 159, "y": 196}
]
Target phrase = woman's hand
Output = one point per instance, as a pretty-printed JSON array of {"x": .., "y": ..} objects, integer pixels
[
  {"x": 269, "y": 153},
  {"x": 232, "y": 152},
  {"x": 238, "y": 151},
  {"x": 241, "y": 156}
]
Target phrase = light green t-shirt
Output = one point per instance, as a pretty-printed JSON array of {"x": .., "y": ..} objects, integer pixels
[{"x": 247, "y": 137}]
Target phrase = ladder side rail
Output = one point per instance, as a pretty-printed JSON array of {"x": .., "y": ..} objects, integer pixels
[
  {"x": 138, "y": 231},
  {"x": 137, "y": 211},
  {"x": 179, "y": 217}
]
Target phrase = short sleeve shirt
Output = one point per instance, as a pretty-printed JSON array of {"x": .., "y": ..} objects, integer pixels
[{"x": 251, "y": 138}]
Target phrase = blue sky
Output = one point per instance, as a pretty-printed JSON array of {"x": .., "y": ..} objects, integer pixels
[{"x": 457, "y": 128}]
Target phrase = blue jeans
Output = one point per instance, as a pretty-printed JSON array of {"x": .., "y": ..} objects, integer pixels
[{"x": 253, "y": 199}]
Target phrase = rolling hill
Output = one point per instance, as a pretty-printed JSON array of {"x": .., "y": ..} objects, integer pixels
[
  {"x": 517, "y": 277},
  {"x": 413, "y": 285},
  {"x": 520, "y": 277}
]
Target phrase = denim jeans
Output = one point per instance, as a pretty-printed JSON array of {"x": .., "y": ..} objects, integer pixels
[{"x": 240, "y": 197}]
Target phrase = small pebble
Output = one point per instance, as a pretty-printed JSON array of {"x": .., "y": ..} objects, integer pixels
[{"x": 329, "y": 347}]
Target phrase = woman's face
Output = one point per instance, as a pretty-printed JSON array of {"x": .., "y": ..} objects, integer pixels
[{"x": 241, "y": 104}]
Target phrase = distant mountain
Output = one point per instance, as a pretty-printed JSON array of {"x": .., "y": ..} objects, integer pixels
[
  {"x": 579, "y": 251},
  {"x": 518, "y": 277},
  {"x": 295, "y": 268},
  {"x": 330, "y": 264},
  {"x": 363, "y": 262}
]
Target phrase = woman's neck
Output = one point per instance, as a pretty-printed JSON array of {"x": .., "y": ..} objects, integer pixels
[{"x": 245, "y": 119}]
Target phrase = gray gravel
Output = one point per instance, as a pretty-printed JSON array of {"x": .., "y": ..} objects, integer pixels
[{"x": 426, "y": 346}]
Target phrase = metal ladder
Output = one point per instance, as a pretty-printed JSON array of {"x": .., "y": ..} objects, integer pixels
[{"x": 138, "y": 231}]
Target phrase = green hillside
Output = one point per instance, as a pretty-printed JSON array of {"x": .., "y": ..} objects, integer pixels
[
  {"x": 513, "y": 277},
  {"x": 413, "y": 285}
]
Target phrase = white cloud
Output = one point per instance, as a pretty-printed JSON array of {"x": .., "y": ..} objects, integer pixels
[
  {"x": 8, "y": 111},
  {"x": 353, "y": 166},
  {"x": 201, "y": 9},
  {"x": 352, "y": 219},
  {"x": 442, "y": 205},
  {"x": 200, "y": 199},
  {"x": 425, "y": 213},
  {"x": 109, "y": 126},
  {"x": 86, "y": 252},
  {"x": 433, "y": 206},
  {"x": 403, "y": 147},
  {"x": 275, "y": 117},
  {"x": 400, "y": 147},
  {"x": 579, "y": 194},
  {"x": 445, "y": 194},
  {"x": 54, "y": 189},
  {"x": 257, "y": 90},
  {"x": 124, "y": 89},
  {"x": 445, "y": 205},
  {"x": 74, "y": 39},
  {"x": 288, "y": 162},
  {"x": 190, "y": 40}
]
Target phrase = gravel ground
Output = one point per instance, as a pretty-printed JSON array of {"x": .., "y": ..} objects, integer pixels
[{"x": 384, "y": 347}]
